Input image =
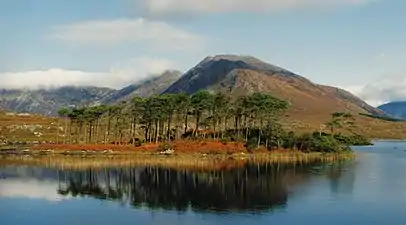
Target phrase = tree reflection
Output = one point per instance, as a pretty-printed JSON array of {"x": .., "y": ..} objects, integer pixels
[{"x": 251, "y": 188}]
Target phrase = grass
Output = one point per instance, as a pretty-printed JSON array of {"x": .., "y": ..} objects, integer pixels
[
  {"x": 296, "y": 119},
  {"x": 181, "y": 146},
  {"x": 181, "y": 161},
  {"x": 369, "y": 127}
]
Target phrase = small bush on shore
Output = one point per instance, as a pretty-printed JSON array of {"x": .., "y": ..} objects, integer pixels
[
  {"x": 310, "y": 142},
  {"x": 252, "y": 144},
  {"x": 353, "y": 140},
  {"x": 164, "y": 147},
  {"x": 320, "y": 143}
]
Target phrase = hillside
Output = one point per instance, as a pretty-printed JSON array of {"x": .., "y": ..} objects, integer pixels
[
  {"x": 396, "y": 109},
  {"x": 245, "y": 74},
  {"x": 311, "y": 104},
  {"x": 148, "y": 87},
  {"x": 49, "y": 101},
  {"x": 17, "y": 127}
]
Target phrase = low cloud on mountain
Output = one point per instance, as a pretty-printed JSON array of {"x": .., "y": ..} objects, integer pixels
[
  {"x": 118, "y": 76},
  {"x": 386, "y": 89}
]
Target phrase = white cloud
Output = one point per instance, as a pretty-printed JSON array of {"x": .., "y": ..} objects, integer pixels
[
  {"x": 220, "y": 6},
  {"x": 33, "y": 189},
  {"x": 108, "y": 32},
  {"x": 386, "y": 89},
  {"x": 120, "y": 75}
]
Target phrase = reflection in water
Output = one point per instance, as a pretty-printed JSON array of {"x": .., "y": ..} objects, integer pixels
[
  {"x": 369, "y": 190},
  {"x": 253, "y": 188}
]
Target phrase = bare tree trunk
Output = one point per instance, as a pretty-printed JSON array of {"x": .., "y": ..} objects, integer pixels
[
  {"x": 57, "y": 132},
  {"x": 107, "y": 134},
  {"x": 156, "y": 131},
  {"x": 214, "y": 129},
  {"x": 168, "y": 133},
  {"x": 85, "y": 134},
  {"x": 197, "y": 124},
  {"x": 70, "y": 132},
  {"x": 96, "y": 132},
  {"x": 90, "y": 132},
  {"x": 186, "y": 123}
]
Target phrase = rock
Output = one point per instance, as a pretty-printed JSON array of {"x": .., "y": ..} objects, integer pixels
[{"x": 167, "y": 152}]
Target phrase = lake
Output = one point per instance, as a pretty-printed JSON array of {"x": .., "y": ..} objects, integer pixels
[{"x": 370, "y": 190}]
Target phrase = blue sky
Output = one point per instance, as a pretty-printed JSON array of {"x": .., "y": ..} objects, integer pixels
[{"x": 347, "y": 43}]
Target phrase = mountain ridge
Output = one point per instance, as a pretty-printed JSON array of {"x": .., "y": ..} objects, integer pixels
[
  {"x": 396, "y": 109},
  {"x": 144, "y": 88},
  {"x": 48, "y": 101},
  {"x": 225, "y": 73},
  {"x": 233, "y": 73}
]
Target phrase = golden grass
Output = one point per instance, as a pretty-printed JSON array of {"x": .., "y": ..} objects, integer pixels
[{"x": 181, "y": 161}]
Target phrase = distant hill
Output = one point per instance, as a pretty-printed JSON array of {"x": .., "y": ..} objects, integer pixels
[
  {"x": 245, "y": 74},
  {"x": 49, "y": 101},
  {"x": 155, "y": 85},
  {"x": 395, "y": 109}
]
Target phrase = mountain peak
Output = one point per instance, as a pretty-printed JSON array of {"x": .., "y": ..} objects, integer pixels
[{"x": 230, "y": 57}]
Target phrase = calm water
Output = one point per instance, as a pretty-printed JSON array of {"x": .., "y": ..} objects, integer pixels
[{"x": 371, "y": 190}]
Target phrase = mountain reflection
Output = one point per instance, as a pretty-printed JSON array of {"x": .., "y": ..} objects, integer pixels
[{"x": 252, "y": 188}]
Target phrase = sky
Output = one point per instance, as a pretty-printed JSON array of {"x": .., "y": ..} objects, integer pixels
[{"x": 358, "y": 45}]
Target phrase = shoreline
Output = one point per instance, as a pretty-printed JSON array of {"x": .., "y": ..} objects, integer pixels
[
  {"x": 184, "y": 161},
  {"x": 189, "y": 161},
  {"x": 197, "y": 155}
]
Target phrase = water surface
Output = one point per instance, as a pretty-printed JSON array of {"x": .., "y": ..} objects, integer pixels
[{"x": 370, "y": 190}]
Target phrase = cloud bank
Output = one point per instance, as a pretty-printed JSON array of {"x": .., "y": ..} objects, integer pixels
[
  {"x": 159, "y": 7},
  {"x": 120, "y": 75},
  {"x": 158, "y": 34},
  {"x": 387, "y": 89}
]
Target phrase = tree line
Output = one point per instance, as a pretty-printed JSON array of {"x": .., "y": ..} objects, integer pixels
[
  {"x": 253, "y": 119},
  {"x": 167, "y": 117}
]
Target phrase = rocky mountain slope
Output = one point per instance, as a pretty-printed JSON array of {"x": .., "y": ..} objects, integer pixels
[
  {"x": 395, "y": 109},
  {"x": 155, "y": 85},
  {"x": 49, "y": 101},
  {"x": 242, "y": 74}
]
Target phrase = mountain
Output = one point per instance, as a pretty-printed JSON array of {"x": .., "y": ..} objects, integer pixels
[
  {"x": 148, "y": 87},
  {"x": 245, "y": 74},
  {"x": 49, "y": 101},
  {"x": 395, "y": 109}
]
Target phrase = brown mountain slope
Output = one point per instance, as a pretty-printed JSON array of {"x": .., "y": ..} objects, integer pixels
[
  {"x": 307, "y": 100},
  {"x": 247, "y": 74},
  {"x": 311, "y": 104}
]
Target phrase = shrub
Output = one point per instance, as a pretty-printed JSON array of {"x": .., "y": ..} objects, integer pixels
[
  {"x": 354, "y": 140},
  {"x": 164, "y": 146},
  {"x": 224, "y": 141},
  {"x": 252, "y": 144},
  {"x": 138, "y": 143},
  {"x": 320, "y": 143}
]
